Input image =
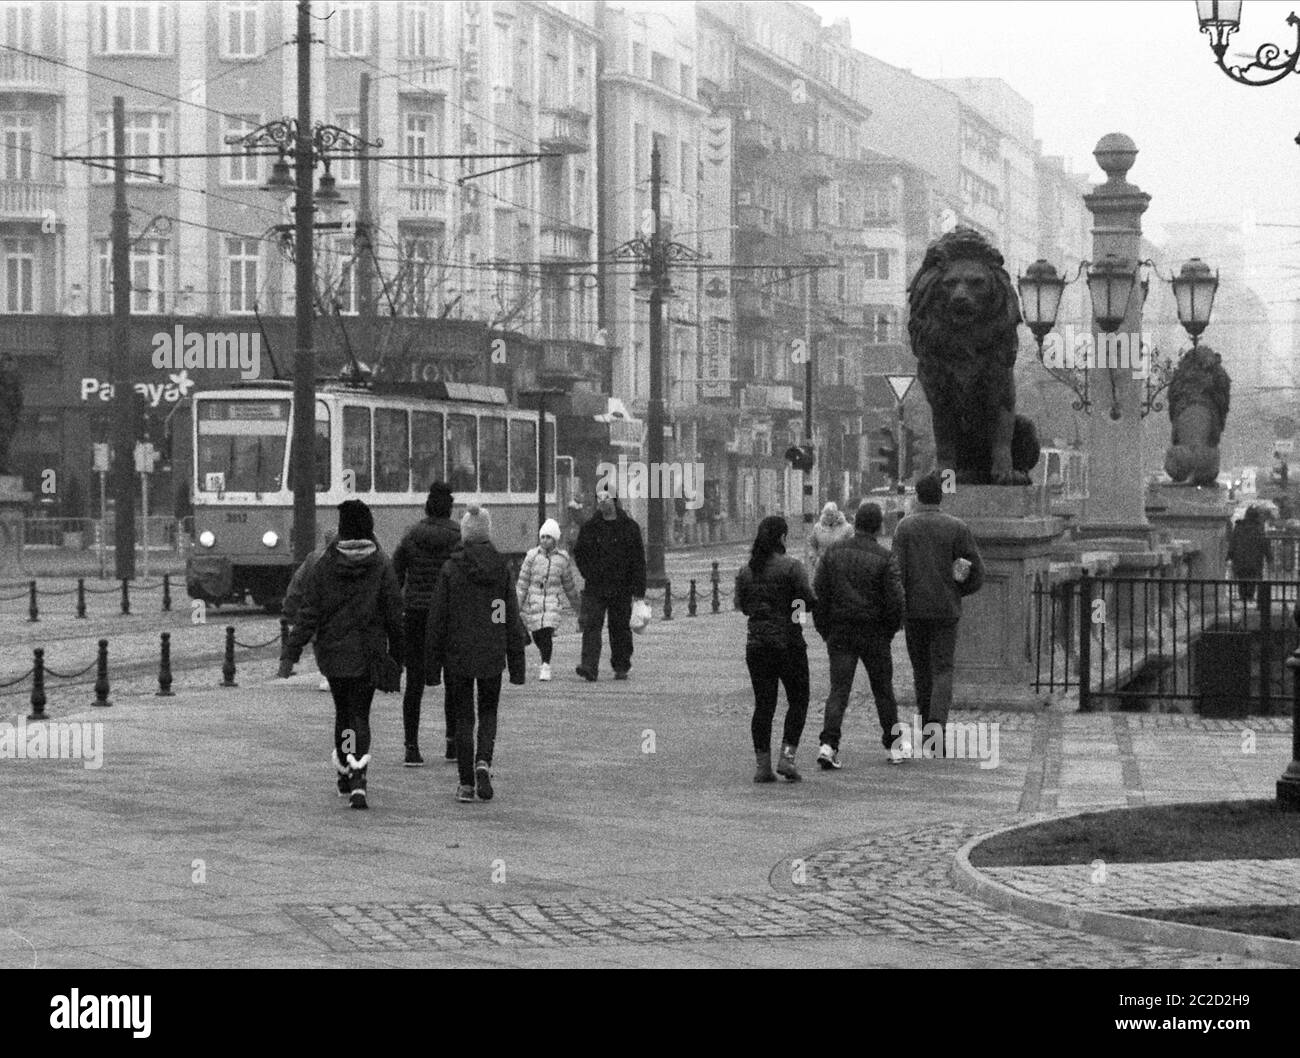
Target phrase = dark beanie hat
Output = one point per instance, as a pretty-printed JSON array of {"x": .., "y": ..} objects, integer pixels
[
  {"x": 440, "y": 500},
  {"x": 355, "y": 521},
  {"x": 868, "y": 518}
]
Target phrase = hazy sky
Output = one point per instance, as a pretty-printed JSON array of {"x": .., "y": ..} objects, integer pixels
[{"x": 1209, "y": 148}]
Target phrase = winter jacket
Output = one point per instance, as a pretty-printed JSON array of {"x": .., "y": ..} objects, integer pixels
[
  {"x": 769, "y": 601},
  {"x": 858, "y": 590},
  {"x": 610, "y": 556},
  {"x": 542, "y": 578},
  {"x": 474, "y": 627},
  {"x": 352, "y": 607},
  {"x": 419, "y": 558},
  {"x": 926, "y": 543},
  {"x": 297, "y": 590},
  {"x": 1248, "y": 549},
  {"x": 830, "y": 529}
]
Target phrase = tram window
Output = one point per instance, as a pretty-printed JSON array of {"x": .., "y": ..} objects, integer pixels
[
  {"x": 392, "y": 460},
  {"x": 356, "y": 446},
  {"x": 523, "y": 456},
  {"x": 462, "y": 453},
  {"x": 426, "y": 449},
  {"x": 493, "y": 475},
  {"x": 323, "y": 455}
]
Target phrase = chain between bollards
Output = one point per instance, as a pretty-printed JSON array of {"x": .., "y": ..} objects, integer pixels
[
  {"x": 38, "y": 685},
  {"x": 717, "y": 598},
  {"x": 668, "y": 600},
  {"x": 101, "y": 676},
  {"x": 126, "y": 596},
  {"x": 690, "y": 601},
  {"x": 165, "y": 667},
  {"x": 228, "y": 666},
  {"x": 81, "y": 597}
]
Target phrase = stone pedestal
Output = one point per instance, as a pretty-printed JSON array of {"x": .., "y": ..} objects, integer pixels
[
  {"x": 13, "y": 506},
  {"x": 1198, "y": 514},
  {"x": 995, "y": 643}
]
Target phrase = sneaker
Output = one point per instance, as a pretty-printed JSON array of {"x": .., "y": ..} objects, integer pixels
[
  {"x": 483, "y": 781},
  {"x": 544, "y": 673},
  {"x": 620, "y": 674},
  {"x": 413, "y": 758},
  {"x": 828, "y": 758},
  {"x": 464, "y": 794},
  {"x": 900, "y": 751},
  {"x": 450, "y": 752},
  {"x": 358, "y": 799},
  {"x": 586, "y": 674}
]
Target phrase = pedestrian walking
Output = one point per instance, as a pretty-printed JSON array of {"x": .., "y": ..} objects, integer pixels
[
  {"x": 1248, "y": 552},
  {"x": 474, "y": 633},
  {"x": 352, "y": 609},
  {"x": 772, "y": 590},
  {"x": 611, "y": 559},
  {"x": 940, "y": 565},
  {"x": 293, "y": 594},
  {"x": 859, "y": 611},
  {"x": 418, "y": 560},
  {"x": 545, "y": 581},
  {"x": 831, "y": 527}
]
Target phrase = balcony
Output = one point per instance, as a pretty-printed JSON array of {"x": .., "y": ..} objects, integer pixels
[
  {"x": 564, "y": 242},
  {"x": 567, "y": 131},
  {"x": 755, "y": 220},
  {"x": 29, "y": 200},
  {"x": 767, "y": 396},
  {"x": 425, "y": 77},
  {"x": 24, "y": 73},
  {"x": 753, "y": 138},
  {"x": 813, "y": 243},
  {"x": 426, "y": 202}
]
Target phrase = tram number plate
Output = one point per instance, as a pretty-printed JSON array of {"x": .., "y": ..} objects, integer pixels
[{"x": 236, "y": 516}]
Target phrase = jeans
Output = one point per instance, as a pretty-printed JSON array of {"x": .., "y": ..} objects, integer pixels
[
  {"x": 591, "y": 618},
  {"x": 544, "y": 638},
  {"x": 352, "y": 698},
  {"x": 931, "y": 646},
  {"x": 416, "y": 625},
  {"x": 460, "y": 692},
  {"x": 767, "y": 668},
  {"x": 844, "y": 654}
]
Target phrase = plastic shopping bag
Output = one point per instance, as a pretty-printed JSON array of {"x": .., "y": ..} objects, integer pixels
[{"x": 640, "y": 615}]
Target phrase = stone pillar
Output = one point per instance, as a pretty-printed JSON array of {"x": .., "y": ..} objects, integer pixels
[
  {"x": 1197, "y": 514},
  {"x": 1115, "y": 507},
  {"x": 13, "y": 506},
  {"x": 996, "y": 641}
]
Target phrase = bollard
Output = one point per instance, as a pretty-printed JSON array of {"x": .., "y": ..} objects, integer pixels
[
  {"x": 38, "y": 685},
  {"x": 165, "y": 667},
  {"x": 167, "y": 592},
  {"x": 101, "y": 676},
  {"x": 32, "y": 613},
  {"x": 228, "y": 666},
  {"x": 81, "y": 597},
  {"x": 717, "y": 598},
  {"x": 668, "y": 600},
  {"x": 284, "y": 636},
  {"x": 690, "y": 601},
  {"x": 126, "y": 596}
]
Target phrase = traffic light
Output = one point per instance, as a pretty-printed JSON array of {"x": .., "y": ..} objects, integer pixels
[
  {"x": 886, "y": 457},
  {"x": 908, "y": 454},
  {"x": 801, "y": 457}
]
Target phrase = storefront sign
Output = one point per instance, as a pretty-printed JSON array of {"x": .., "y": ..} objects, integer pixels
[
  {"x": 716, "y": 367},
  {"x": 175, "y": 388}
]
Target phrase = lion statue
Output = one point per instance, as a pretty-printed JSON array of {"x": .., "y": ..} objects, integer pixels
[
  {"x": 1198, "y": 408},
  {"x": 963, "y": 316}
]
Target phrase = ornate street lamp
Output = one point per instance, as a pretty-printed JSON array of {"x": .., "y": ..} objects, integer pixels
[
  {"x": 1194, "y": 290},
  {"x": 1040, "y": 303},
  {"x": 1110, "y": 285},
  {"x": 1220, "y": 19}
]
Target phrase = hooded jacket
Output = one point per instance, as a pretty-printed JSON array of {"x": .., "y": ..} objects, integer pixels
[
  {"x": 474, "y": 628},
  {"x": 610, "y": 555},
  {"x": 419, "y": 557},
  {"x": 352, "y": 608}
]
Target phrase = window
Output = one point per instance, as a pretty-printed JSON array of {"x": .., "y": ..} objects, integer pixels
[
  {"x": 493, "y": 465},
  {"x": 348, "y": 27},
  {"x": 661, "y": 70},
  {"x": 345, "y": 167},
  {"x": 415, "y": 278},
  {"x": 523, "y": 456},
  {"x": 20, "y": 275},
  {"x": 462, "y": 453},
  {"x": 553, "y": 94},
  {"x": 877, "y": 264},
  {"x": 523, "y": 69},
  {"x": 687, "y": 74},
  {"x": 19, "y": 141},
  {"x": 392, "y": 457},
  {"x": 421, "y": 30},
  {"x": 148, "y": 271},
  {"x": 241, "y": 168},
  {"x": 242, "y": 444},
  {"x": 422, "y": 135},
  {"x": 18, "y": 26},
  {"x": 638, "y": 59},
  {"x": 242, "y": 258},
  {"x": 324, "y": 457},
  {"x": 148, "y": 132},
  {"x": 356, "y": 447},
  {"x": 132, "y": 29},
  {"x": 240, "y": 25},
  {"x": 426, "y": 450}
]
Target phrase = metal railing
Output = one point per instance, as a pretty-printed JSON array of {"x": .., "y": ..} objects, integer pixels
[{"x": 163, "y": 533}]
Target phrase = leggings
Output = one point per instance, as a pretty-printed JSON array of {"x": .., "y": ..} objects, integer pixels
[{"x": 544, "y": 638}]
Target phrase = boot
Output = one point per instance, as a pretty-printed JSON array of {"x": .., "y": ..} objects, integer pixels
[
  {"x": 345, "y": 775},
  {"x": 764, "y": 772},
  {"x": 785, "y": 766},
  {"x": 357, "y": 794}
]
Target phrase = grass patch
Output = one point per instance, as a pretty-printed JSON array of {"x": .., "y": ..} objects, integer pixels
[
  {"x": 1218, "y": 830},
  {"x": 1260, "y": 919}
]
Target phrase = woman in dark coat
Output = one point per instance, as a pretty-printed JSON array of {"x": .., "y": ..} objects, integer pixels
[
  {"x": 1248, "y": 551},
  {"x": 773, "y": 592},
  {"x": 352, "y": 606}
]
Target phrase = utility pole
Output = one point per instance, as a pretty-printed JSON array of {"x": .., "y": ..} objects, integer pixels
[
  {"x": 655, "y": 419},
  {"x": 365, "y": 257},
  {"x": 123, "y": 392},
  {"x": 303, "y": 468},
  {"x": 810, "y": 475}
]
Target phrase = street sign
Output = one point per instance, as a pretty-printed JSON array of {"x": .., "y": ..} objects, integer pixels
[
  {"x": 101, "y": 458},
  {"x": 900, "y": 384},
  {"x": 145, "y": 457}
]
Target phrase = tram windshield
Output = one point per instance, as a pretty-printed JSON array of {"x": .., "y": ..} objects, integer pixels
[{"x": 241, "y": 445}]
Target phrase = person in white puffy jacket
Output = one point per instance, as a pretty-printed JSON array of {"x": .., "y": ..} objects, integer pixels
[
  {"x": 831, "y": 528},
  {"x": 545, "y": 581}
]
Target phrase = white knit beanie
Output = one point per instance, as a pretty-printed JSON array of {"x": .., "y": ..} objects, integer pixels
[
  {"x": 550, "y": 528},
  {"x": 475, "y": 524}
]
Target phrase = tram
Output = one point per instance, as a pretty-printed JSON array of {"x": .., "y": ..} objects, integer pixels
[{"x": 375, "y": 443}]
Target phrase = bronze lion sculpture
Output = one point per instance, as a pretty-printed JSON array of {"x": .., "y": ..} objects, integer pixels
[
  {"x": 1198, "y": 409},
  {"x": 963, "y": 315}
]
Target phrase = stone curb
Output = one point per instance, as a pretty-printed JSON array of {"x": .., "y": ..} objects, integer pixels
[{"x": 970, "y": 880}]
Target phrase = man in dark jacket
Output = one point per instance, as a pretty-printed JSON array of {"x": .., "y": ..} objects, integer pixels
[
  {"x": 940, "y": 564},
  {"x": 417, "y": 561},
  {"x": 353, "y": 609},
  {"x": 474, "y": 632},
  {"x": 859, "y": 609},
  {"x": 611, "y": 559}
]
